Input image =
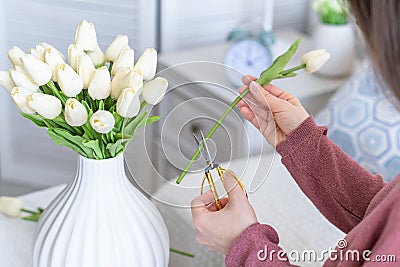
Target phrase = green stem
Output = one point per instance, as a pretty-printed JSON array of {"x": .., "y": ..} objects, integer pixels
[
  {"x": 210, "y": 134},
  {"x": 181, "y": 252},
  {"x": 29, "y": 211},
  {"x": 286, "y": 72},
  {"x": 56, "y": 92}
]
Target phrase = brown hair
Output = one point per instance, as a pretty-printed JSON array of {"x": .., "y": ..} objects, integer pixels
[{"x": 379, "y": 20}]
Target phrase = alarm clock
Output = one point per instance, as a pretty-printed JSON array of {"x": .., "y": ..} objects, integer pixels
[{"x": 249, "y": 52}]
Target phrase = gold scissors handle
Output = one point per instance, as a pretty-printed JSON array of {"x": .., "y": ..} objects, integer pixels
[{"x": 220, "y": 172}]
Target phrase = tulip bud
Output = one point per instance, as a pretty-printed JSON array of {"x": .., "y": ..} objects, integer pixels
[
  {"x": 15, "y": 54},
  {"x": 116, "y": 81},
  {"x": 11, "y": 206},
  {"x": 75, "y": 113},
  {"x": 20, "y": 97},
  {"x": 53, "y": 59},
  {"x": 102, "y": 121},
  {"x": 115, "y": 48},
  {"x": 47, "y": 106},
  {"x": 38, "y": 52},
  {"x": 154, "y": 90},
  {"x": 22, "y": 80},
  {"x": 128, "y": 104},
  {"x": 132, "y": 79},
  {"x": 73, "y": 54},
  {"x": 69, "y": 81},
  {"x": 97, "y": 56},
  {"x": 314, "y": 60},
  {"x": 85, "y": 69},
  {"x": 147, "y": 63},
  {"x": 6, "y": 81},
  {"x": 39, "y": 72},
  {"x": 125, "y": 59},
  {"x": 100, "y": 85},
  {"x": 47, "y": 46},
  {"x": 85, "y": 37}
]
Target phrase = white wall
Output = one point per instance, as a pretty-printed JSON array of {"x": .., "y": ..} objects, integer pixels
[{"x": 194, "y": 23}]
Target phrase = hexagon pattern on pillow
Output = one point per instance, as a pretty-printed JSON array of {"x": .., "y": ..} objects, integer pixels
[{"x": 365, "y": 125}]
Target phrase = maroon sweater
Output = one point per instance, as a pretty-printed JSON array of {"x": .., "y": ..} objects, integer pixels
[{"x": 357, "y": 202}]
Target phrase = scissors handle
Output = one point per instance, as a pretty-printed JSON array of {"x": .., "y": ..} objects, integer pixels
[{"x": 220, "y": 172}]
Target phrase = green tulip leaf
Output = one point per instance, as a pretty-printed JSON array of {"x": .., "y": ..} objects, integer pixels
[
  {"x": 95, "y": 146},
  {"x": 35, "y": 119},
  {"x": 64, "y": 138},
  {"x": 117, "y": 146}
]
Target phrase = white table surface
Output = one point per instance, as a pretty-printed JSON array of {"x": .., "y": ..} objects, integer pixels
[{"x": 278, "y": 201}]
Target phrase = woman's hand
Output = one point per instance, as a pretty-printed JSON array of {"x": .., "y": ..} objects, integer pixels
[
  {"x": 219, "y": 229},
  {"x": 272, "y": 111}
]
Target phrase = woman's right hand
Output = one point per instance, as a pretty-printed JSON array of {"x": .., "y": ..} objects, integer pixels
[{"x": 271, "y": 110}]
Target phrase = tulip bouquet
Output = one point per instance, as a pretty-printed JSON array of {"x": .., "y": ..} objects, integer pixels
[{"x": 96, "y": 102}]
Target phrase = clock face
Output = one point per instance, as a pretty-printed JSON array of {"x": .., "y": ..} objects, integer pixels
[{"x": 246, "y": 56}]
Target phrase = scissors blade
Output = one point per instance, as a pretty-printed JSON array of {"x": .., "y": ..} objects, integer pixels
[
  {"x": 198, "y": 144},
  {"x": 205, "y": 147}
]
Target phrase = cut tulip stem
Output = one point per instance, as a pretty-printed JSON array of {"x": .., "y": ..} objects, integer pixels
[{"x": 286, "y": 72}]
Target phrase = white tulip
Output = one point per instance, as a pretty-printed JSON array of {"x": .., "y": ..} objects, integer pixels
[
  {"x": 75, "y": 113},
  {"x": 85, "y": 36},
  {"x": 85, "y": 69},
  {"x": 115, "y": 48},
  {"x": 22, "y": 80},
  {"x": 69, "y": 81},
  {"x": 102, "y": 121},
  {"x": 100, "y": 85},
  {"x": 20, "y": 97},
  {"x": 97, "y": 56},
  {"x": 128, "y": 104},
  {"x": 73, "y": 54},
  {"x": 6, "y": 80},
  {"x": 131, "y": 79},
  {"x": 11, "y": 206},
  {"x": 47, "y": 106},
  {"x": 53, "y": 59},
  {"x": 125, "y": 59},
  {"x": 314, "y": 60},
  {"x": 38, "y": 52},
  {"x": 117, "y": 79},
  {"x": 15, "y": 54},
  {"x": 147, "y": 63},
  {"x": 154, "y": 90},
  {"x": 39, "y": 72},
  {"x": 47, "y": 46}
]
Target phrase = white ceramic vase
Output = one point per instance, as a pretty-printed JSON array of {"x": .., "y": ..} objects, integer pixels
[
  {"x": 101, "y": 219},
  {"x": 339, "y": 41}
]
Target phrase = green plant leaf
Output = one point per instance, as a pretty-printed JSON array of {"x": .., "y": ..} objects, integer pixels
[
  {"x": 118, "y": 122},
  {"x": 64, "y": 138},
  {"x": 132, "y": 125},
  {"x": 95, "y": 145},
  {"x": 60, "y": 120},
  {"x": 279, "y": 63},
  {"x": 117, "y": 146},
  {"x": 36, "y": 120}
]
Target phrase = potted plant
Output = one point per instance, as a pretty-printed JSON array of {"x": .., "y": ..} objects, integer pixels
[{"x": 334, "y": 32}]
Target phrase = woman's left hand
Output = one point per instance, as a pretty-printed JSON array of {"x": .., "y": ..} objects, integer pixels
[{"x": 219, "y": 229}]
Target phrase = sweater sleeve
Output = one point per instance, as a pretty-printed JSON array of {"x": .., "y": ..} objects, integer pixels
[
  {"x": 257, "y": 246},
  {"x": 337, "y": 185}
]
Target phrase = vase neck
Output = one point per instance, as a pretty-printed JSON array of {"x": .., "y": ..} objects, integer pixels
[{"x": 101, "y": 170}]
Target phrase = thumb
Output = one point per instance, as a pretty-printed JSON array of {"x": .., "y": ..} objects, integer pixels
[{"x": 232, "y": 187}]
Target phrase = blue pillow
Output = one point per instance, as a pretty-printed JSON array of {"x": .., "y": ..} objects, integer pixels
[{"x": 365, "y": 125}]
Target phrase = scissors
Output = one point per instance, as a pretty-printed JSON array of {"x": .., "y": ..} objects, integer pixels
[{"x": 211, "y": 165}]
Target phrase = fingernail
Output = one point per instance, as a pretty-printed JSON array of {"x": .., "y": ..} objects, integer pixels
[{"x": 254, "y": 86}]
